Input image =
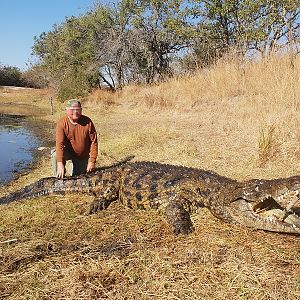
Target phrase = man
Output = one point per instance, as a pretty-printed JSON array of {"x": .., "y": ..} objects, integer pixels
[{"x": 76, "y": 140}]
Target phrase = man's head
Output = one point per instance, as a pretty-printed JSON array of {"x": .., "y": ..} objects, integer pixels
[{"x": 74, "y": 109}]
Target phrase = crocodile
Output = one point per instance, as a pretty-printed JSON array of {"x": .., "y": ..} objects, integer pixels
[{"x": 180, "y": 191}]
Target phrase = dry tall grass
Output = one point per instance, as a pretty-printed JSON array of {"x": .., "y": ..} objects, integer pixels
[
  {"x": 218, "y": 115},
  {"x": 239, "y": 119}
]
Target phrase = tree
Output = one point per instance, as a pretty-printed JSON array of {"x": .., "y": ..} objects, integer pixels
[
  {"x": 132, "y": 41},
  {"x": 35, "y": 77},
  {"x": 164, "y": 30},
  {"x": 66, "y": 52},
  {"x": 136, "y": 41},
  {"x": 262, "y": 25},
  {"x": 10, "y": 75}
]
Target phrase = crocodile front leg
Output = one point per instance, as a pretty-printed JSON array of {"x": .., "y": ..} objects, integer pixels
[
  {"x": 179, "y": 218},
  {"x": 99, "y": 204},
  {"x": 104, "y": 199}
]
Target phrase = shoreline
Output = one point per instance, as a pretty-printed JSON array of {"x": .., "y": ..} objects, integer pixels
[{"x": 42, "y": 131}]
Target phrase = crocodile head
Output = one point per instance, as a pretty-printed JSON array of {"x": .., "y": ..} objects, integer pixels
[{"x": 272, "y": 205}]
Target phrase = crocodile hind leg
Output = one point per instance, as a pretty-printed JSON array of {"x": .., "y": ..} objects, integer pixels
[{"x": 179, "y": 218}]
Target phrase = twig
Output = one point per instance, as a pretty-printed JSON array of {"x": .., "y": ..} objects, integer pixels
[{"x": 9, "y": 241}]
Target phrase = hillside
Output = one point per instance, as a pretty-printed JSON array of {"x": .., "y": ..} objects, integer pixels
[{"x": 239, "y": 119}]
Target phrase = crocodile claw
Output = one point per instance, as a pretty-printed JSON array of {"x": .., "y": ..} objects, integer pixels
[{"x": 98, "y": 205}]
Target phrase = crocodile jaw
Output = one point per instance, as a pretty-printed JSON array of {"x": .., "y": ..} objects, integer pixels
[{"x": 242, "y": 212}]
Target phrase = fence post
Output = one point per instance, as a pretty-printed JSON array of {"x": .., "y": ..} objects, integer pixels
[{"x": 51, "y": 105}]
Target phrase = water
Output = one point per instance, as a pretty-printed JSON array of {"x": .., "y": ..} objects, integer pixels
[{"x": 16, "y": 147}]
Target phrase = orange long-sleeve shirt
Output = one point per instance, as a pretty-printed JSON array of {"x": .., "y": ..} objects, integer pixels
[{"x": 79, "y": 140}]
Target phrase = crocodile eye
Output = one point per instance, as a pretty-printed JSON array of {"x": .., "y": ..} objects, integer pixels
[{"x": 107, "y": 191}]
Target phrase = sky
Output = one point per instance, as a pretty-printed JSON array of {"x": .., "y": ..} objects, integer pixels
[{"x": 21, "y": 20}]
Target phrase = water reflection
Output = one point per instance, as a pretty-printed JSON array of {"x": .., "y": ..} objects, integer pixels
[{"x": 16, "y": 146}]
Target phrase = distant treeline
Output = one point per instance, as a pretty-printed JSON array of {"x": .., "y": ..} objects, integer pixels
[
  {"x": 10, "y": 76},
  {"x": 13, "y": 76},
  {"x": 146, "y": 41}
]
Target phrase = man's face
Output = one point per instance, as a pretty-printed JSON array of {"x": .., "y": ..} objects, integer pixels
[{"x": 74, "y": 112}]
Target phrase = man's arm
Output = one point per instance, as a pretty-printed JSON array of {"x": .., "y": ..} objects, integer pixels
[
  {"x": 93, "y": 148},
  {"x": 59, "y": 145}
]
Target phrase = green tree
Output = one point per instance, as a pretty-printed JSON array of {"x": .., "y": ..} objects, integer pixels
[
  {"x": 262, "y": 25},
  {"x": 136, "y": 41},
  {"x": 132, "y": 41},
  {"x": 163, "y": 30},
  {"x": 66, "y": 52},
  {"x": 10, "y": 75}
]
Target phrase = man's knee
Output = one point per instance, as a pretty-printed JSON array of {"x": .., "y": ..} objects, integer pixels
[{"x": 53, "y": 153}]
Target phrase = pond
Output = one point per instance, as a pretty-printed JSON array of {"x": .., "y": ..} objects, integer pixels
[{"x": 17, "y": 145}]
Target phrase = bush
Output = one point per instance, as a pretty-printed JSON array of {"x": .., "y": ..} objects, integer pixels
[
  {"x": 35, "y": 77},
  {"x": 10, "y": 76}
]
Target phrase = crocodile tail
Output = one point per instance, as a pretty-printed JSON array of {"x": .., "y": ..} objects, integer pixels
[
  {"x": 52, "y": 185},
  {"x": 38, "y": 188}
]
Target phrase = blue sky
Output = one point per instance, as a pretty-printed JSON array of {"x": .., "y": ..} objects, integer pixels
[{"x": 21, "y": 20}]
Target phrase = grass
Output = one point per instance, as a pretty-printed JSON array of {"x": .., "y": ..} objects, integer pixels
[
  {"x": 229, "y": 118},
  {"x": 266, "y": 145}
]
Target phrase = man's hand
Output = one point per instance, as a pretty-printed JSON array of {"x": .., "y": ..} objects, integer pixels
[
  {"x": 60, "y": 170},
  {"x": 90, "y": 167}
]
